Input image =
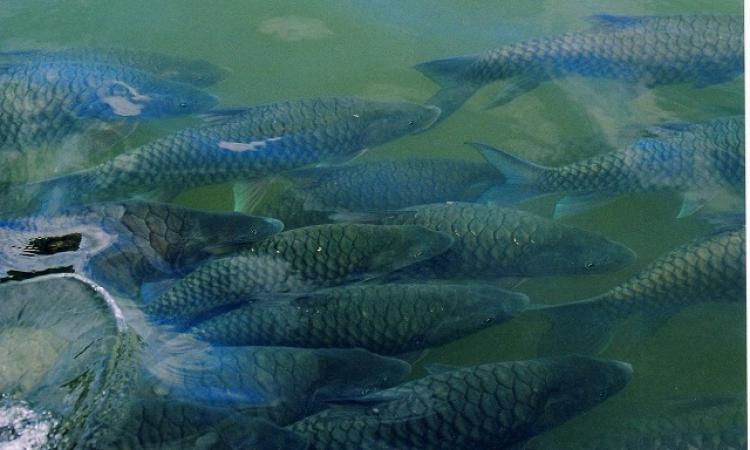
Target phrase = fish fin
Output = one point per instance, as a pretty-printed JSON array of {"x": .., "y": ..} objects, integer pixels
[
  {"x": 438, "y": 368},
  {"x": 454, "y": 88},
  {"x": 152, "y": 290},
  {"x": 711, "y": 79},
  {"x": 575, "y": 328},
  {"x": 685, "y": 404},
  {"x": 724, "y": 221},
  {"x": 519, "y": 174},
  {"x": 249, "y": 195},
  {"x": 614, "y": 21},
  {"x": 573, "y": 204},
  {"x": 515, "y": 88},
  {"x": 415, "y": 356},
  {"x": 259, "y": 434},
  {"x": 366, "y": 216},
  {"x": 692, "y": 201}
]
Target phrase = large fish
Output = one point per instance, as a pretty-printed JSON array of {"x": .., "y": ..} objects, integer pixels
[
  {"x": 698, "y": 160},
  {"x": 386, "y": 319},
  {"x": 192, "y": 71},
  {"x": 645, "y": 50},
  {"x": 299, "y": 260},
  {"x": 493, "y": 242},
  {"x": 491, "y": 406},
  {"x": 122, "y": 245},
  {"x": 716, "y": 427},
  {"x": 310, "y": 196},
  {"x": 251, "y": 143},
  {"x": 711, "y": 268},
  {"x": 54, "y": 108}
]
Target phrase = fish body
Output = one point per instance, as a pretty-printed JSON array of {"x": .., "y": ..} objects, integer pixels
[
  {"x": 645, "y": 50},
  {"x": 248, "y": 144},
  {"x": 310, "y": 196},
  {"x": 299, "y": 260},
  {"x": 708, "y": 269},
  {"x": 491, "y": 406},
  {"x": 122, "y": 245},
  {"x": 191, "y": 71},
  {"x": 493, "y": 242},
  {"x": 697, "y": 160},
  {"x": 386, "y": 319},
  {"x": 276, "y": 383},
  {"x": 721, "y": 427}
]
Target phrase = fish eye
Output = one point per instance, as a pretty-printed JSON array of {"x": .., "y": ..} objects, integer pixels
[
  {"x": 589, "y": 264},
  {"x": 183, "y": 104},
  {"x": 412, "y": 123},
  {"x": 489, "y": 320}
]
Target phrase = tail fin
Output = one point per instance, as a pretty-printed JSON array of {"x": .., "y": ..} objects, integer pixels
[
  {"x": 584, "y": 327},
  {"x": 520, "y": 176},
  {"x": 455, "y": 88}
]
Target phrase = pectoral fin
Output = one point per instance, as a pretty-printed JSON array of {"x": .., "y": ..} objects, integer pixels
[{"x": 692, "y": 201}]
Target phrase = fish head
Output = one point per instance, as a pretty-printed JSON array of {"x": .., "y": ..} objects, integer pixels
[
  {"x": 570, "y": 385},
  {"x": 198, "y": 73},
  {"x": 575, "y": 251},
  {"x": 398, "y": 246},
  {"x": 384, "y": 122},
  {"x": 178, "y": 99},
  {"x": 474, "y": 308},
  {"x": 356, "y": 372}
]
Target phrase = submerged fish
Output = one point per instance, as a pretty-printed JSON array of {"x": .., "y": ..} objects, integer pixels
[
  {"x": 708, "y": 269},
  {"x": 493, "y": 242},
  {"x": 122, "y": 245},
  {"x": 698, "y": 160},
  {"x": 491, "y": 406},
  {"x": 192, "y": 71},
  {"x": 299, "y": 260},
  {"x": 645, "y": 50},
  {"x": 281, "y": 384},
  {"x": 251, "y": 143},
  {"x": 386, "y": 319},
  {"x": 718, "y": 427},
  {"x": 311, "y": 196}
]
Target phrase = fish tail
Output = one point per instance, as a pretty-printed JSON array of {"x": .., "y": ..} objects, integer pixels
[
  {"x": 520, "y": 176},
  {"x": 455, "y": 88},
  {"x": 584, "y": 327}
]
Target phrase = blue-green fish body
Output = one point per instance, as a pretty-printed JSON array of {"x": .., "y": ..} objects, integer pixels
[
  {"x": 645, "y": 50},
  {"x": 296, "y": 261},
  {"x": 249, "y": 144},
  {"x": 491, "y": 406},
  {"x": 386, "y": 319},
  {"x": 708, "y": 269},
  {"x": 493, "y": 242},
  {"x": 168, "y": 67},
  {"x": 698, "y": 160},
  {"x": 122, "y": 245},
  {"x": 311, "y": 196}
]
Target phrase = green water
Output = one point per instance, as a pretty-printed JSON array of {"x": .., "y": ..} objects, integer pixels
[{"x": 290, "y": 49}]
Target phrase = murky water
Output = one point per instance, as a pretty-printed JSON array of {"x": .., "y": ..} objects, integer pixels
[{"x": 694, "y": 361}]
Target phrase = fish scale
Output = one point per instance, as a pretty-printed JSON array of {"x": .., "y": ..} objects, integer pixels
[
  {"x": 242, "y": 146},
  {"x": 297, "y": 261},
  {"x": 493, "y": 242},
  {"x": 387, "y": 319},
  {"x": 472, "y": 408}
]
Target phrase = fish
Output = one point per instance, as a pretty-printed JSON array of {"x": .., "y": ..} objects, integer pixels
[
  {"x": 722, "y": 426},
  {"x": 708, "y": 269},
  {"x": 123, "y": 245},
  {"x": 386, "y": 319},
  {"x": 490, "y": 406},
  {"x": 491, "y": 242},
  {"x": 279, "y": 384},
  {"x": 311, "y": 196},
  {"x": 242, "y": 144},
  {"x": 64, "y": 114},
  {"x": 169, "y": 67},
  {"x": 698, "y": 160},
  {"x": 295, "y": 261},
  {"x": 650, "y": 51}
]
